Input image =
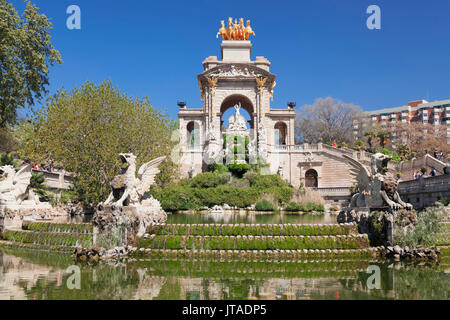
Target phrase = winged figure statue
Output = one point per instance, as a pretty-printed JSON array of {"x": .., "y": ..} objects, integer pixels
[
  {"x": 377, "y": 187},
  {"x": 14, "y": 185},
  {"x": 127, "y": 189}
]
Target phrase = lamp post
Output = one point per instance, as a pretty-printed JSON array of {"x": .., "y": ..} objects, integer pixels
[
  {"x": 292, "y": 105},
  {"x": 182, "y": 104}
]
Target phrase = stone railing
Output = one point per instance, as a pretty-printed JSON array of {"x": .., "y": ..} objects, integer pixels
[
  {"x": 57, "y": 180},
  {"x": 425, "y": 192},
  {"x": 407, "y": 168},
  {"x": 334, "y": 191}
]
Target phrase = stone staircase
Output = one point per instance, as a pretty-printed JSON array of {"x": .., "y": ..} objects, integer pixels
[
  {"x": 233, "y": 242},
  {"x": 49, "y": 236},
  {"x": 257, "y": 241}
]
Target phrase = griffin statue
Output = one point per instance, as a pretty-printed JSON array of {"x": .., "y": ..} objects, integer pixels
[
  {"x": 377, "y": 187},
  {"x": 14, "y": 186},
  {"x": 127, "y": 189}
]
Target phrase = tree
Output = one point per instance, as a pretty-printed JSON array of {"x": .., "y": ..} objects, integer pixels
[
  {"x": 403, "y": 151},
  {"x": 85, "y": 129},
  {"x": 419, "y": 137},
  {"x": 327, "y": 120},
  {"x": 382, "y": 136},
  {"x": 370, "y": 135},
  {"x": 7, "y": 141},
  {"x": 25, "y": 56}
]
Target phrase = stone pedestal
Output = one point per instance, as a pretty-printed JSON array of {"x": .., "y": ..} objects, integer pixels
[
  {"x": 123, "y": 226},
  {"x": 236, "y": 51},
  {"x": 377, "y": 223}
]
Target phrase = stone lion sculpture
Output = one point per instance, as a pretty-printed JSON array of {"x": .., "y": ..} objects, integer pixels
[
  {"x": 377, "y": 187},
  {"x": 14, "y": 186}
]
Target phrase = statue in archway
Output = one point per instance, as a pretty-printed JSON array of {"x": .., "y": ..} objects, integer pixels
[{"x": 237, "y": 122}]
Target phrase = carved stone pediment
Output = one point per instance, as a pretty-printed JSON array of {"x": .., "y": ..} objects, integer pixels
[{"x": 236, "y": 71}]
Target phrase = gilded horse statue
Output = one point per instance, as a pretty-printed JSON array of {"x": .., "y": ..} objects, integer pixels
[{"x": 235, "y": 30}]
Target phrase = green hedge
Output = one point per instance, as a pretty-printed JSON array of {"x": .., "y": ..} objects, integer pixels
[
  {"x": 256, "y": 243},
  {"x": 257, "y": 230}
]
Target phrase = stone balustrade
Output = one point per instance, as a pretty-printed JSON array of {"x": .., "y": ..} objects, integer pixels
[
  {"x": 57, "y": 180},
  {"x": 425, "y": 192}
]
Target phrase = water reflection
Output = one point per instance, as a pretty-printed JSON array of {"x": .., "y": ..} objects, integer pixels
[
  {"x": 249, "y": 218},
  {"x": 41, "y": 275}
]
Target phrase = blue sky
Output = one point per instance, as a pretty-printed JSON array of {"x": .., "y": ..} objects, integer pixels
[{"x": 318, "y": 48}]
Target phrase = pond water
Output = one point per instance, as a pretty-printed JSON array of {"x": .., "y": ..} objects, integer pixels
[
  {"x": 35, "y": 275},
  {"x": 249, "y": 218}
]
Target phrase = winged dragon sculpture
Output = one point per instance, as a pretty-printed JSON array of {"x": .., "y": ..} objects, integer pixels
[
  {"x": 14, "y": 185},
  {"x": 127, "y": 189},
  {"x": 377, "y": 187}
]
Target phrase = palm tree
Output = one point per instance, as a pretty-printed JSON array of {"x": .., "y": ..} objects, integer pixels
[
  {"x": 382, "y": 135},
  {"x": 370, "y": 135}
]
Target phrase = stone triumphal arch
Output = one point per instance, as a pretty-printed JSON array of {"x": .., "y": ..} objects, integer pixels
[{"x": 247, "y": 86}]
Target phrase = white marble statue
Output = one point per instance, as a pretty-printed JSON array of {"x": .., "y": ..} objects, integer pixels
[
  {"x": 378, "y": 187},
  {"x": 237, "y": 122},
  {"x": 214, "y": 145},
  {"x": 14, "y": 188},
  {"x": 262, "y": 142},
  {"x": 133, "y": 187}
]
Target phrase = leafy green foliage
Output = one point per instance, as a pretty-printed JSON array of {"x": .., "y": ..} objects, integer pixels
[
  {"x": 428, "y": 231},
  {"x": 85, "y": 129},
  {"x": 211, "y": 188},
  {"x": 238, "y": 169},
  {"x": 264, "y": 205},
  {"x": 37, "y": 179},
  {"x": 9, "y": 160},
  {"x": 395, "y": 156},
  {"x": 305, "y": 207},
  {"x": 25, "y": 56},
  {"x": 209, "y": 180}
]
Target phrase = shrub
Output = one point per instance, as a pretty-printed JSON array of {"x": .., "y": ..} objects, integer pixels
[
  {"x": 209, "y": 180},
  {"x": 293, "y": 207},
  {"x": 266, "y": 181},
  {"x": 238, "y": 169},
  {"x": 175, "y": 198},
  {"x": 428, "y": 230},
  {"x": 281, "y": 195},
  {"x": 264, "y": 205}
]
